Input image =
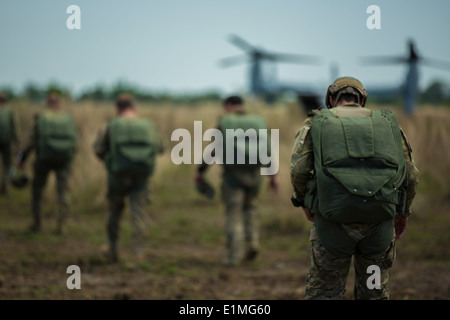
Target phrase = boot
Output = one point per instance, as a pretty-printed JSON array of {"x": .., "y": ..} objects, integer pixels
[
  {"x": 112, "y": 253},
  {"x": 59, "y": 228},
  {"x": 3, "y": 190},
  {"x": 251, "y": 254},
  {"x": 35, "y": 227}
]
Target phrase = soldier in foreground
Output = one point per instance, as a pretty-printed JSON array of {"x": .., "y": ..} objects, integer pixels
[
  {"x": 353, "y": 174},
  {"x": 54, "y": 138},
  {"x": 128, "y": 145},
  {"x": 240, "y": 188},
  {"x": 8, "y": 140}
]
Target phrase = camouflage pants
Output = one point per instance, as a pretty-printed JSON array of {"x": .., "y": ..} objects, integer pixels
[
  {"x": 5, "y": 153},
  {"x": 135, "y": 188},
  {"x": 41, "y": 172},
  {"x": 328, "y": 273},
  {"x": 241, "y": 226}
]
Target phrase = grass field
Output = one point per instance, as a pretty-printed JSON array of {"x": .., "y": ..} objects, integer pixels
[{"x": 186, "y": 244}]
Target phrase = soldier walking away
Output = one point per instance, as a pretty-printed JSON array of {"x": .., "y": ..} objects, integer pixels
[
  {"x": 240, "y": 187},
  {"x": 128, "y": 144},
  {"x": 353, "y": 173},
  {"x": 53, "y": 136},
  {"x": 8, "y": 141}
]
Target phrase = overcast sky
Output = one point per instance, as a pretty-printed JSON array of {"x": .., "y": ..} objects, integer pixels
[{"x": 175, "y": 45}]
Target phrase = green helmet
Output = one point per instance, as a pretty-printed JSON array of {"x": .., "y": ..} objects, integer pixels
[
  {"x": 4, "y": 96},
  {"x": 346, "y": 85},
  {"x": 19, "y": 181}
]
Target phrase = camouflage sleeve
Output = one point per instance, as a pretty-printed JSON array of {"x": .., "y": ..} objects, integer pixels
[
  {"x": 32, "y": 139},
  {"x": 412, "y": 175},
  {"x": 101, "y": 143},
  {"x": 302, "y": 161}
]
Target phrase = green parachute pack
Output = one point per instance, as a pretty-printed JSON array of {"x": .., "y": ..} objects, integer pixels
[
  {"x": 247, "y": 139},
  {"x": 360, "y": 170},
  {"x": 5, "y": 125},
  {"x": 134, "y": 144},
  {"x": 57, "y": 137}
]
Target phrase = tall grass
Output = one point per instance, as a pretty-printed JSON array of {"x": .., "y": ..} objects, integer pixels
[{"x": 428, "y": 132}]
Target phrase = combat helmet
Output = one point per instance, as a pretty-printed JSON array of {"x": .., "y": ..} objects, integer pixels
[
  {"x": 17, "y": 177},
  {"x": 4, "y": 96},
  {"x": 20, "y": 181},
  {"x": 346, "y": 85}
]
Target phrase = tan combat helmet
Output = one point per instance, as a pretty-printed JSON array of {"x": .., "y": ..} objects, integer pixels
[
  {"x": 346, "y": 85},
  {"x": 124, "y": 100},
  {"x": 53, "y": 100},
  {"x": 4, "y": 96}
]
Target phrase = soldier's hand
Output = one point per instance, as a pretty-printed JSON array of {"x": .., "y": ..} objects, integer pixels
[
  {"x": 400, "y": 225},
  {"x": 309, "y": 215},
  {"x": 17, "y": 149},
  {"x": 198, "y": 179},
  {"x": 19, "y": 164},
  {"x": 274, "y": 183}
]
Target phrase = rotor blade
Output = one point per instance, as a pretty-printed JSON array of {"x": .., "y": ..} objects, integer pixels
[
  {"x": 295, "y": 58},
  {"x": 231, "y": 61},
  {"x": 413, "y": 55},
  {"x": 241, "y": 43},
  {"x": 434, "y": 63},
  {"x": 380, "y": 60}
]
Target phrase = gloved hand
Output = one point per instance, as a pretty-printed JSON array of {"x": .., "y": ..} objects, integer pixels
[
  {"x": 400, "y": 225},
  {"x": 203, "y": 186},
  {"x": 274, "y": 183}
]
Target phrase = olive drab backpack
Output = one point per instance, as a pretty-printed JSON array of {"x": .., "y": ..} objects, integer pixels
[
  {"x": 134, "y": 145},
  {"x": 247, "y": 139},
  {"x": 5, "y": 125},
  {"x": 57, "y": 137},
  {"x": 359, "y": 167}
]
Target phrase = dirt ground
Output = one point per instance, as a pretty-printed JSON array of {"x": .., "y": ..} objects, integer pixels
[{"x": 184, "y": 253}]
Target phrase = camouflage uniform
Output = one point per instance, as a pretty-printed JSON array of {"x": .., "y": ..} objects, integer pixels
[
  {"x": 135, "y": 186},
  {"x": 240, "y": 188},
  {"x": 239, "y": 191},
  {"x": 6, "y": 153},
  {"x": 41, "y": 171},
  {"x": 332, "y": 244}
]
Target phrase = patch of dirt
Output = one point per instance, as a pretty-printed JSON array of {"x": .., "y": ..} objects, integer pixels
[{"x": 34, "y": 267}]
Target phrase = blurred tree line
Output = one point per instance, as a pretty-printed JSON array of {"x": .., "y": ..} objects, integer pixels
[
  {"x": 438, "y": 93},
  {"x": 38, "y": 93}
]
